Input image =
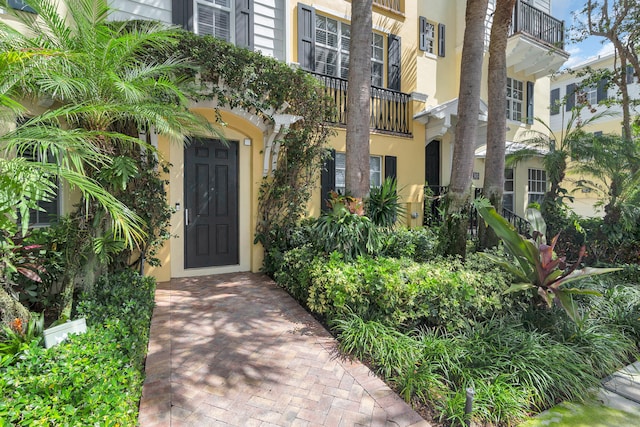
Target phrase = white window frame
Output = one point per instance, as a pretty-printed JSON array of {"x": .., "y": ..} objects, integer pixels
[
  {"x": 537, "y": 181},
  {"x": 375, "y": 172},
  {"x": 508, "y": 191},
  {"x": 515, "y": 99},
  {"x": 343, "y": 40},
  {"x": 430, "y": 36},
  {"x": 589, "y": 95},
  {"x": 214, "y": 5},
  {"x": 377, "y": 59}
]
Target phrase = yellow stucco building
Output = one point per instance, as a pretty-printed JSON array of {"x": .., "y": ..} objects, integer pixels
[{"x": 416, "y": 51}]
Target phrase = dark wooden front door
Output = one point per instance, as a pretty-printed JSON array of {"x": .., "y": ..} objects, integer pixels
[
  {"x": 211, "y": 203},
  {"x": 432, "y": 163}
]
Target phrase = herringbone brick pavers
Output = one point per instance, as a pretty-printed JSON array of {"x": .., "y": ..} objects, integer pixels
[{"x": 234, "y": 349}]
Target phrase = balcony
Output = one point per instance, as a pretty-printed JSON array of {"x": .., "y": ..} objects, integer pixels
[
  {"x": 390, "y": 109},
  {"x": 536, "y": 41}
]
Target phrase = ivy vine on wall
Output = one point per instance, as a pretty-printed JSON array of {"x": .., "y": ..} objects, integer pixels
[{"x": 237, "y": 77}]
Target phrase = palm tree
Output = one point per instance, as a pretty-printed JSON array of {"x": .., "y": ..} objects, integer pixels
[
  {"x": 359, "y": 99},
  {"x": 556, "y": 149},
  {"x": 612, "y": 163},
  {"x": 455, "y": 228},
  {"x": 104, "y": 84},
  {"x": 497, "y": 105},
  {"x": 24, "y": 182}
]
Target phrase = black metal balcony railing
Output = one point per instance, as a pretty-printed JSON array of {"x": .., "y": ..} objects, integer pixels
[
  {"x": 390, "y": 109},
  {"x": 541, "y": 25},
  {"x": 433, "y": 214}
]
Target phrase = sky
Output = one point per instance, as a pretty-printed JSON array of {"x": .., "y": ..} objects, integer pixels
[{"x": 591, "y": 48}]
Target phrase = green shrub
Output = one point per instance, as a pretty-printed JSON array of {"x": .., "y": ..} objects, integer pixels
[
  {"x": 406, "y": 294},
  {"x": 294, "y": 270},
  {"x": 418, "y": 244},
  {"x": 89, "y": 379}
]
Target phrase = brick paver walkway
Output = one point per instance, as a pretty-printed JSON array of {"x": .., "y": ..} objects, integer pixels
[{"x": 235, "y": 349}]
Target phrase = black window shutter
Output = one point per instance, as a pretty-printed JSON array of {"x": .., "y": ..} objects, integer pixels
[
  {"x": 244, "y": 23},
  {"x": 530, "y": 103},
  {"x": 555, "y": 98},
  {"x": 571, "y": 97},
  {"x": 602, "y": 90},
  {"x": 393, "y": 72},
  {"x": 391, "y": 167},
  {"x": 306, "y": 37},
  {"x": 629, "y": 74},
  {"x": 441, "y": 40},
  {"x": 327, "y": 179},
  {"x": 423, "y": 33},
  {"x": 19, "y": 5},
  {"x": 182, "y": 14}
]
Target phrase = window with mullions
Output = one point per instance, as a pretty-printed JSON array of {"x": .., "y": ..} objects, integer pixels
[
  {"x": 50, "y": 209},
  {"x": 507, "y": 195},
  {"x": 515, "y": 97},
  {"x": 333, "y": 38},
  {"x": 375, "y": 171},
  {"x": 213, "y": 17},
  {"x": 537, "y": 185}
]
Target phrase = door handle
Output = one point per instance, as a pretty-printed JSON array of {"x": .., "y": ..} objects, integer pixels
[{"x": 186, "y": 217}]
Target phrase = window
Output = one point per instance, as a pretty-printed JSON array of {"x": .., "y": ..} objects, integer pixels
[
  {"x": 589, "y": 96},
  {"x": 507, "y": 195},
  {"x": 537, "y": 185},
  {"x": 50, "y": 208},
  {"x": 214, "y": 17},
  {"x": 375, "y": 171},
  {"x": 515, "y": 96},
  {"x": 333, "y": 38},
  {"x": 427, "y": 35},
  {"x": 377, "y": 60},
  {"x": 555, "y": 101}
]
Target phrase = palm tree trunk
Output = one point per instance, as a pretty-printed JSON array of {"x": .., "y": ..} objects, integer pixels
[
  {"x": 496, "y": 124},
  {"x": 358, "y": 99},
  {"x": 11, "y": 309},
  {"x": 457, "y": 199}
]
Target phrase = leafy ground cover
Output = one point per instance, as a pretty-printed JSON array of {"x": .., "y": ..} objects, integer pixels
[
  {"x": 90, "y": 379},
  {"x": 433, "y": 328}
]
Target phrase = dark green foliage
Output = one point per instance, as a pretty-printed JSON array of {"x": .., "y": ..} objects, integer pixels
[
  {"x": 405, "y": 294},
  {"x": 90, "y": 379},
  {"x": 419, "y": 244},
  {"x": 294, "y": 272},
  {"x": 350, "y": 234},
  {"x": 512, "y": 368},
  {"x": 383, "y": 206}
]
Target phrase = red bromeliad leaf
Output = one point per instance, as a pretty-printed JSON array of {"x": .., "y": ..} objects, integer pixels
[{"x": 29, "y": 274}]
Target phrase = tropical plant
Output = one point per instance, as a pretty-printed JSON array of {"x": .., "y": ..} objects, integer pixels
[
  {"x": 613, "y": 165},
  {"x": 105, "y": 89},
  {"x": 383, "y": 205},
  {"x": 19, "y": 336},
  {"x": 535, "y": 263},
  {"x": 346, "y": 232},
  {"x": 555, "y": 149}
]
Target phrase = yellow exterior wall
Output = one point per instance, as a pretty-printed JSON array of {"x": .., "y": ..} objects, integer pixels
[{"x": 250, "y": 144}]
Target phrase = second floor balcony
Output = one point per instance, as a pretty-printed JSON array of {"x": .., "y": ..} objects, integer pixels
[
  {"x": 536, "y": 41},
  {"x": 390, "y": 110}
]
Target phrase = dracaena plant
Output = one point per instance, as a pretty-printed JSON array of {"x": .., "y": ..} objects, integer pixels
[{"x": 535, "y": 262}]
